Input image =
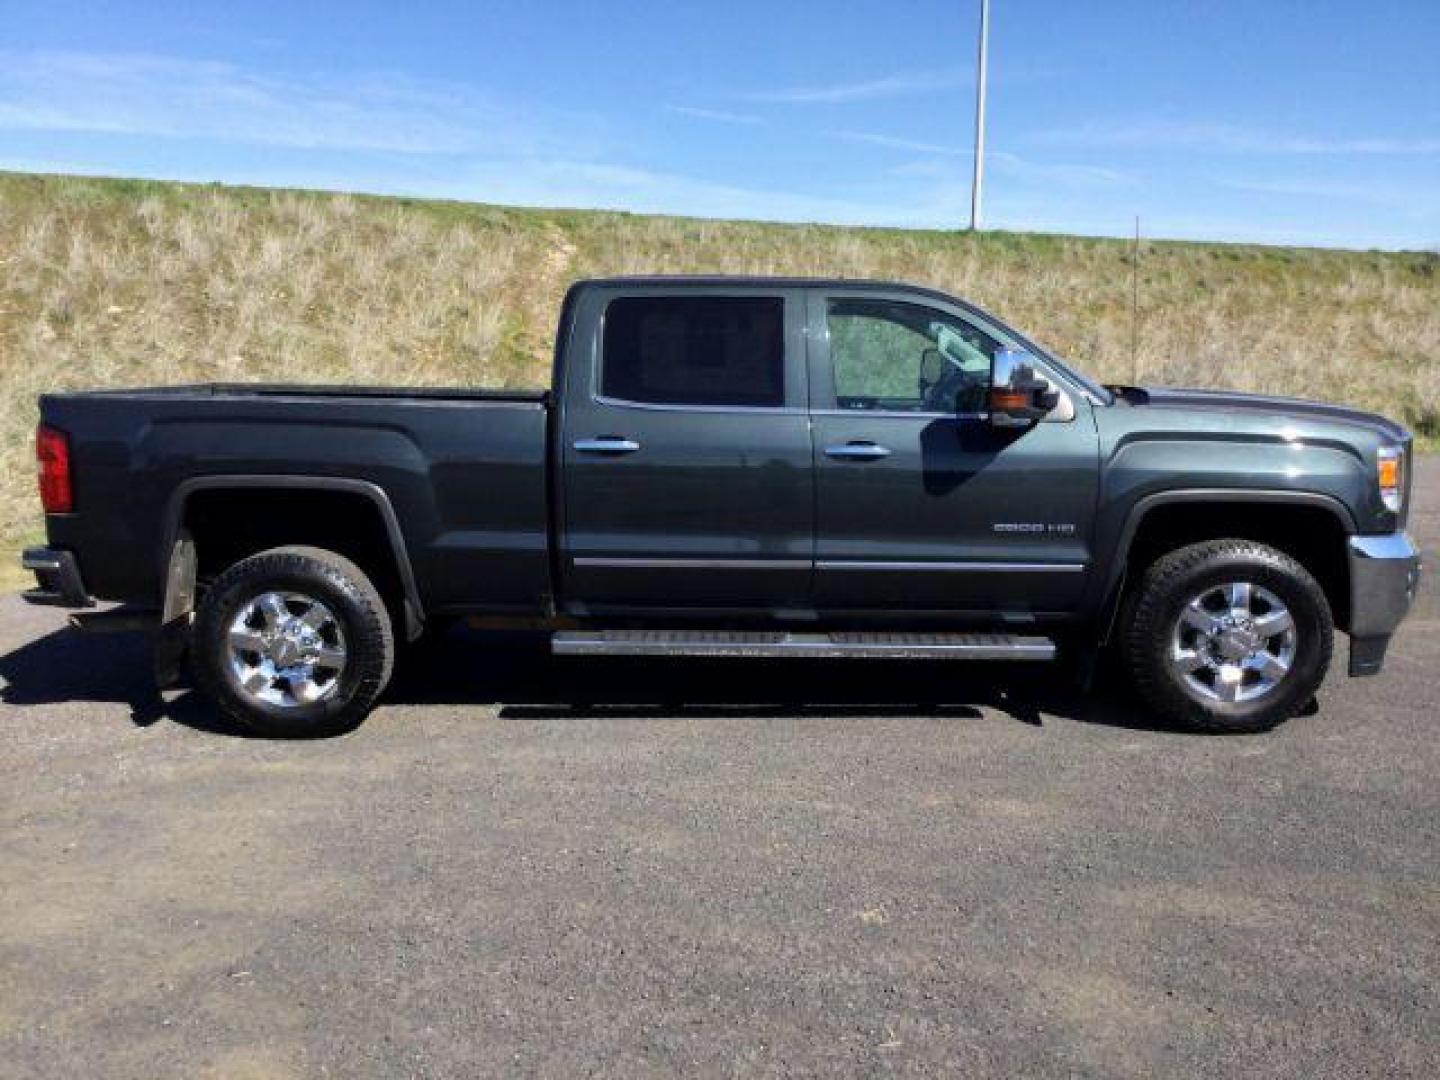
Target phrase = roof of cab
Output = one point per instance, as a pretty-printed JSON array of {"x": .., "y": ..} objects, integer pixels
[
  {"x": 751, "y": 281},
  {"x": 719, "y": 281}
]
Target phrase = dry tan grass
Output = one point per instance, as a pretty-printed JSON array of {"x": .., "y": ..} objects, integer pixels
[{"x": 108, "y": 283}]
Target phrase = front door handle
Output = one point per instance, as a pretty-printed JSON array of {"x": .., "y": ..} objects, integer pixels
[
  {"x": 858, "y": 451},
  {"x": 607, "y": 444}
]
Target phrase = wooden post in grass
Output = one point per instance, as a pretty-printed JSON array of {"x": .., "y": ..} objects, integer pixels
[{"x": 1135, "y": 307}]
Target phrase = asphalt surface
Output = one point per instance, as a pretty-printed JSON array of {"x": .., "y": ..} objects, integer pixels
[{"x": 526, "y": 866}]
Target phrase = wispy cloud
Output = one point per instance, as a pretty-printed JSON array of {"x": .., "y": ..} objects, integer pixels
[
  {"x": 1066, "y": 172},
  {"x": 1228, "y": 139},
  {"x": 1061, "y": 172},
  {"x": 147, "y": 95},
  {"x": 720, "y": 116},
  {"x": 891, "y": 142},
  {"x": 1418, "y": 203},
  {"x": 900, "y": 84}
]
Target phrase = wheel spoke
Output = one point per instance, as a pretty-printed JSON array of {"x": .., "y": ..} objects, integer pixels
[
  {"x": 305, "y": 689},
  {"x": 255, "y": 680},
  {"x": 1229, "y": 681},
  {"x": 247, "y": 640},
  {"x": 1271, "y": 666},
  {"x": 1197, "y": 617},
  {"x": 1273, "y": 622},
  {"x": 272, "y": 609},
  {"x": 1186, "y": 661},
  {"x": 315, "y": 616},
  {"x": 1240, "y": 593}
]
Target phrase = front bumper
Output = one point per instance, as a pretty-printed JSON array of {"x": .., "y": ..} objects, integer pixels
[
  {"x": 1384, "y": 576},
  {"x": 57, "y": 578}
]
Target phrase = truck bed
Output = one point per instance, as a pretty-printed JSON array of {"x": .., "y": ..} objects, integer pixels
[{"x": 461, "y": 473}]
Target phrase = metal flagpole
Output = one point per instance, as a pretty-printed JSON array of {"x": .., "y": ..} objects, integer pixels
[{"x": 978, "y": 183}]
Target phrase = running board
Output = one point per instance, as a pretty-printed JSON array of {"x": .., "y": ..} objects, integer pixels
[{"x": 837, "y": 645}]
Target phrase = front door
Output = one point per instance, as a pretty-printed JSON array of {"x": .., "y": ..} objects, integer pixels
[
  {"x": 685, "y": 450},
  {"x": 922, "y": 506}
]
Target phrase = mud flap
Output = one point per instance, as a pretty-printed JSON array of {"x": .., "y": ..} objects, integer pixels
[{"x": 172, "y": 640}]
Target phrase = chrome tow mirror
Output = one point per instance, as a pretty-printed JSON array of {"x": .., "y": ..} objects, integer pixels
[{"x": 1019, "y": 396}]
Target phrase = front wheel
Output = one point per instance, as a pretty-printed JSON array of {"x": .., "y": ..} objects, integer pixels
[
  {"x": 1228, "y": 636},
  {"x": 294, "y": 642}
]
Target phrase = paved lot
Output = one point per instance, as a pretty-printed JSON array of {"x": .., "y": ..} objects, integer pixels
[{"x": 527, "y": 866}]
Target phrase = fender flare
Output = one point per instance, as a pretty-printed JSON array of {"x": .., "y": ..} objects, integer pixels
[
  {"x": 1112, "y": 586},
  {"x": 177, "y": 550}
]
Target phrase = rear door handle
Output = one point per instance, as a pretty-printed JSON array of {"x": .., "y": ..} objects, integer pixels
[
  {"x": 858, "y": 451},
  {"x": 607, "y": 444}
]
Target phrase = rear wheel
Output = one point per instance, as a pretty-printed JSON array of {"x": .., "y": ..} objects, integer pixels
[
  {"x": 1228, "y": 636},
  {"x": 294, "y": 642}
]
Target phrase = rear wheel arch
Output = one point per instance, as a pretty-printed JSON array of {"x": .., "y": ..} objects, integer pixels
[{"x": 214, "y": 521}]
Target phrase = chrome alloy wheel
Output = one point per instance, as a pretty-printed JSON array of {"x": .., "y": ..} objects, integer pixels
[
  {"x": 1232, "y": 642},
  {"x": 286, "y": 649}
]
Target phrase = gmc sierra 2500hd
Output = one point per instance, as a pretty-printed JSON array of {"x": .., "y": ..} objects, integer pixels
[{"x": 739, "y": 467}]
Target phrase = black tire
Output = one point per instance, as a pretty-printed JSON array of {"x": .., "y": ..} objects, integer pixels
[
  {"x": 358, "y": 612},
  {"x": 1167, "y": 587}
]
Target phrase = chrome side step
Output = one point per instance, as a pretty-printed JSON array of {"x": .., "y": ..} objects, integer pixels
[{"x": 895, "y": 646}]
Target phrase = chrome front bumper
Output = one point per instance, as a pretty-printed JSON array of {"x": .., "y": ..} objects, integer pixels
[{"x": 1384, "y": 576}]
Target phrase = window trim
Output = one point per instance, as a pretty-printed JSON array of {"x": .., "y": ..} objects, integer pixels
[
  {"x": 656, "y": 406},
  {"x": 788, "y": 358}
]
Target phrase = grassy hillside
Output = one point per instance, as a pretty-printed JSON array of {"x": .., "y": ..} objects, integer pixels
[{"x": 112, "y": 282}]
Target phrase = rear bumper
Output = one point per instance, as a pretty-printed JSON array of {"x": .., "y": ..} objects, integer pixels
[
  {"x": 1384, "y": 576},
  {"x": 57, "y": 578}
]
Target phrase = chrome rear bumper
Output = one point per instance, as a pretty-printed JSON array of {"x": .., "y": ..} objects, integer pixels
[{"x": 57, "y": 578}]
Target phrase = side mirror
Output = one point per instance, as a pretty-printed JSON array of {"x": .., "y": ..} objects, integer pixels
[{"x": 1018, "y": 396}]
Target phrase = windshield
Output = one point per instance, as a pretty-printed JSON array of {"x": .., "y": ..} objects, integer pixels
[{"x": 1095, "y": 389}]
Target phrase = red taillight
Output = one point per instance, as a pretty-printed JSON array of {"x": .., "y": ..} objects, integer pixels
[{"x": 52, "y": 451}]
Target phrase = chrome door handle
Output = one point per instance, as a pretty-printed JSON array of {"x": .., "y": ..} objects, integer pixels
[
  {"x": 858, "y": 451},
  {"x": 607, "y": 444}
]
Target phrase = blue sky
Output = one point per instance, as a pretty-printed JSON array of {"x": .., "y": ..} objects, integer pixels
[{"x": 1268, "y": 120}]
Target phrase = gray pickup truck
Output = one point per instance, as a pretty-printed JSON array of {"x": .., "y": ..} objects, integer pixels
[{"x": 738, "y": 467}]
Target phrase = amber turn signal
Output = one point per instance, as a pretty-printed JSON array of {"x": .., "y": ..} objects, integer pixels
[
  {"x": 1390, "y": 474},
  {"x": 1004, "y": 400}
]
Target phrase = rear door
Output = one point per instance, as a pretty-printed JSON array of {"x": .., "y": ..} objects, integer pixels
[
  {"x": 922, "y": 506},
  {"x": 685, "y": 451}
]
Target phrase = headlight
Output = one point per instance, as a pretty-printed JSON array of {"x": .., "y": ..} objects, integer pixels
[{"x": 1389, "y": 471}]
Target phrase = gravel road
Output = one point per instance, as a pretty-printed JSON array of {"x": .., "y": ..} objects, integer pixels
[{"x": 526, "y": 866}]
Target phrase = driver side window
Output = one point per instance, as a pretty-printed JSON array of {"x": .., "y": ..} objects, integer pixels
[{"x": 897, "y": 357}]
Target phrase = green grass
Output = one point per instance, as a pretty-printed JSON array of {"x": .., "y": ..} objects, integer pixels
[{"x": 112, "y": 282}]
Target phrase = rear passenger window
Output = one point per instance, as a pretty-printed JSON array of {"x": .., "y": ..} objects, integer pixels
[{"x": 703, "y": 350}]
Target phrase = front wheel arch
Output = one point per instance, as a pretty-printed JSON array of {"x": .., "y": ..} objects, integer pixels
[{"x": 1310, "y": 527}]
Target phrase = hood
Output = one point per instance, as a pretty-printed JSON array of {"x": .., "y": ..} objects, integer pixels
[{"x": 1294, "y": 408}]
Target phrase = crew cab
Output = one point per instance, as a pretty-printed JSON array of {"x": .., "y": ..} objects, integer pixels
[{"x": 738, "y": 467}]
